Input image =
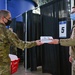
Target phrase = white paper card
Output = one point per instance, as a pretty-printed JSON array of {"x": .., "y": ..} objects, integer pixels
[{"x": 46, "y": 39}]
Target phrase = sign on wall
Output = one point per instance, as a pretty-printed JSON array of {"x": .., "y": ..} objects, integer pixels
[{"x": 62, "y": 29}]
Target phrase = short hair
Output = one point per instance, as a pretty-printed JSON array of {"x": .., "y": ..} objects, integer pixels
[{"x": 4, "y": 13}]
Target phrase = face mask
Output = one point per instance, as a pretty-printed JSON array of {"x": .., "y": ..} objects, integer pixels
[
  {"x": 8, "y": 23},
  {"x": 72, "y": 16}
]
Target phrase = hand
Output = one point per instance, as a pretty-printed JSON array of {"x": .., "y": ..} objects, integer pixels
[
  {"x": 39, "y": 42},
  {"x": 54, "y": 41},
  {"x": 70, "y": 59}
]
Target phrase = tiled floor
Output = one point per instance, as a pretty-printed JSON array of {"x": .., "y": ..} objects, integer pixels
[{"x": 21, "y": 71}]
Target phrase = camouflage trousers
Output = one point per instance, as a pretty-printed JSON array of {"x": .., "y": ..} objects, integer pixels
[
  {"x": 5, "y": 70},
  {"x": 73, "y": 67}
]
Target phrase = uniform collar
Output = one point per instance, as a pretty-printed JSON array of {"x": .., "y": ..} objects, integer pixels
[{"x": 1, "y": 24}]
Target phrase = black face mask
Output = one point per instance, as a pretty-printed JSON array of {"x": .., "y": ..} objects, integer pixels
[{"x": 8, "y": 23}]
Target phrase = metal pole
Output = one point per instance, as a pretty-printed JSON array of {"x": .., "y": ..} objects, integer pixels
[
  {"x": 26, "y": 40},
  {"x": 72, "y": 4},
  {"x": 6, "y": 4}
]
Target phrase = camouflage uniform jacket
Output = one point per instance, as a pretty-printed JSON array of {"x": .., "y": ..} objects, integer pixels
[
  {"x": 70, "y": 42},
  {"x": 8, "y": 38}
]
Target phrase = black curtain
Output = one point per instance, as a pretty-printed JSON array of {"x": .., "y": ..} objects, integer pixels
[
  {"x": 50, "y": 53},
  {"x": 54, "y": 57},
  {"x": 13, "y": 49},
  {"x": 33, "y": 33},
  {"x": 20, "y": 33}
]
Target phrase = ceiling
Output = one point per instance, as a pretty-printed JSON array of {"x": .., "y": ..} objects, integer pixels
[
  {"x": 41, "y": 2},
  {"x": 36, "y": 1}
]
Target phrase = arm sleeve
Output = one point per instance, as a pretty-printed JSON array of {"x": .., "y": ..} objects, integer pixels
[
  {"x": 67, "y": 42},
  {"x": 70, "y": 41},
  {"x": 13, "y": 39}
]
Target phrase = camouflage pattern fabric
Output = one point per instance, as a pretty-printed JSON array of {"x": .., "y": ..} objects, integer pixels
[{"x": 8, "y": 38}]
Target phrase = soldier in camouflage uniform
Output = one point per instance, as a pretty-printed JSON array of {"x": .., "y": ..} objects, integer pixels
[
  {"x": 69, "y": 42},
  {"x": 7, "y": 38}
]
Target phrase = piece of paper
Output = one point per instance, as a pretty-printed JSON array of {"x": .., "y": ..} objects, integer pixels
[
  {"x": 46, "y": 39},
  {"x": 13, "y": 57}
]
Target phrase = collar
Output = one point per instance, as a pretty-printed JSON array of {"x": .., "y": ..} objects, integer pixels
[{"x": 1, "y": 24}]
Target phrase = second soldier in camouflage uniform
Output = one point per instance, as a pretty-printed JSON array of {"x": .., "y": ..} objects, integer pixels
[
  {"x": 7, "y": 38},
  {"x": 69, "y": 42}
]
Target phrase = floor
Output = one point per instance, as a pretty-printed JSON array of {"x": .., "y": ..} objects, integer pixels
[{"x": 22, "y": 71}]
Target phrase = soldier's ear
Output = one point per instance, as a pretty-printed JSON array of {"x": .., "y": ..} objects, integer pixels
[{"x": 4, "y": 19}]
